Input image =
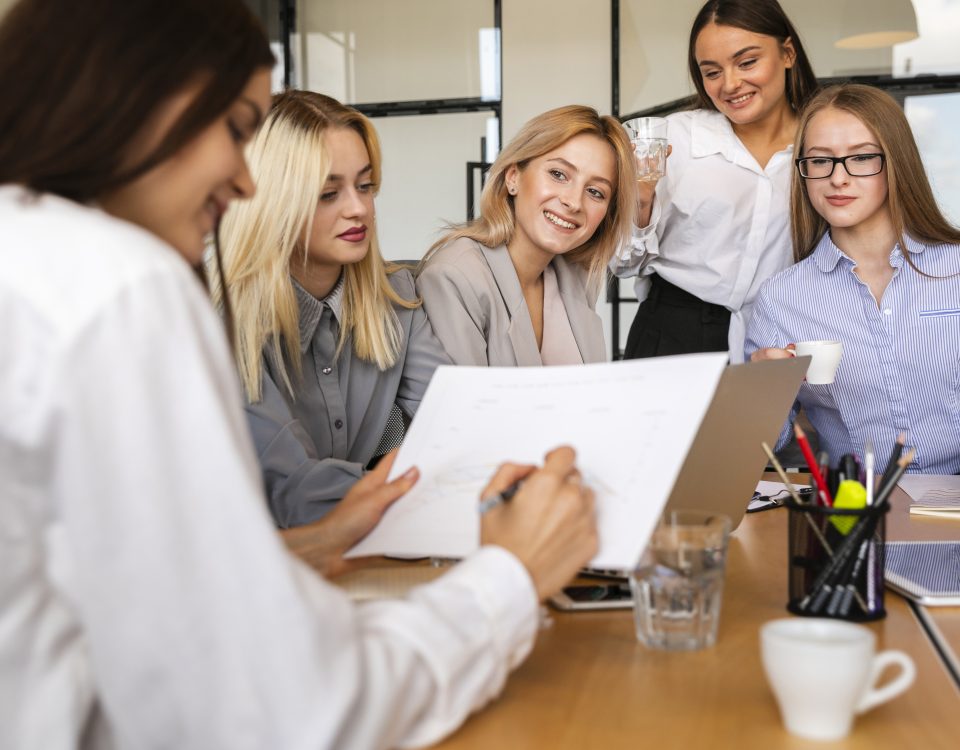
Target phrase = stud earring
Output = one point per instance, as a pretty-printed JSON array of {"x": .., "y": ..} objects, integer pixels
[{"x": 512, "y": 190}]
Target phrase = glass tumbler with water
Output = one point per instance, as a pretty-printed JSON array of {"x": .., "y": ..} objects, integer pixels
[
  {"x": 649, "y": 138},
  {"x": 678, "y": 585}
]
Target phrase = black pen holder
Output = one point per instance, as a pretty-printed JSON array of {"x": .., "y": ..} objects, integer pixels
[{"x": 836, "y": 561}]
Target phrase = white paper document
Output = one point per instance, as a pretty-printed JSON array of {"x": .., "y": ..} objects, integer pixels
[{"x": 631, "y": 423}]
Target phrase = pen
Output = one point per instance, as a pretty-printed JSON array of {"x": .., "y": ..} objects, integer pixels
[
  {"x": 892, "y": 461},
  {"x": 499, "y": 498},
  {"x": 818, "y": 479},
  {"x": 868, "y": 468}
]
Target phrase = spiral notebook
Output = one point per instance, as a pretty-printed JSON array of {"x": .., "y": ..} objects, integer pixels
[{"x": 927, "y": 572}]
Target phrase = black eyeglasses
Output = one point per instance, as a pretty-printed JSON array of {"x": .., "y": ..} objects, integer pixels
[{"x": 857, "y": 165}]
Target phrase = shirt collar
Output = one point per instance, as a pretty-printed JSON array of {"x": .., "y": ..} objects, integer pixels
[
  {"x": 711, "y": 133},
  {"x": 826, "y": 254},
  {"x": 311, "y": 309}
]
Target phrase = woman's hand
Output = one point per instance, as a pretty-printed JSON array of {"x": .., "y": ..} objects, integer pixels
[
  {"x": 774, "y": 353},
  {"x": 323, "y": 544},
  {"x": 645, "y": 193},
  {"x": 550, "y": 525}
]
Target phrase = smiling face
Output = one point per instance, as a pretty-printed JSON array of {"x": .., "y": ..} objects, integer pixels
[
  {"x": 182, "y": 199},
  {"x": 562, "y": 196},
  {"x": 744, "y": 74},
  {"x": 343, "y": 220},
  {"x": 843, "y": 201}
]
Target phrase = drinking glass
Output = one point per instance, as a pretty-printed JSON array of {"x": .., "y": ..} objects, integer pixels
[
  {"x": 649, "y": 138},
  {"x": 678, "y": 585}
]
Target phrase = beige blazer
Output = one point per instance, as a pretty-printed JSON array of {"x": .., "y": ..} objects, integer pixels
[{"x": 472, "y": 296}]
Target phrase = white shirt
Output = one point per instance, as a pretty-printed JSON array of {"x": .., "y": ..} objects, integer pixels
[
  {"x": 720, "y": 225},
  {"x": 145, "y": 599}
]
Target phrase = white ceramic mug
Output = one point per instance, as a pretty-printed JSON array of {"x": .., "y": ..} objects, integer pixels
[
  {"x": 825, "y": 360},
  {"x": 824, "y": 672}
]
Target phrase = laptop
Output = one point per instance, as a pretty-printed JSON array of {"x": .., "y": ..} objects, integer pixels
[{"x": 725, "y": 461}]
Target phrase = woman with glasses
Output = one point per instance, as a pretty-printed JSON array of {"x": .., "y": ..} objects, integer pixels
[
  {"x": 716, "y": 227},
  {"x": 878, "y": 269}
]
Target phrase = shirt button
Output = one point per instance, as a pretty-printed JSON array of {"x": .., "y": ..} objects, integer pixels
[
  {"x": 888, "y": 311},
  {"x": 338, "y": 424},
  {"x": 327, "y": 370}
]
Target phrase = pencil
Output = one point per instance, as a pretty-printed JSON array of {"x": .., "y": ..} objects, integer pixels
[
  {"x": 796, "y": 497},
  {"x": 899, "y": 469},
  {"x": 818, "y": 479},
  {"x": 783, "y": 475}
]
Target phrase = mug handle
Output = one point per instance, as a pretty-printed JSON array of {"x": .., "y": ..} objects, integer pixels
[{"x": 874, "y": 697}]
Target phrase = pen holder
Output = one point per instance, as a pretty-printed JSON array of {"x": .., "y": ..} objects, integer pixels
[{"x": 836, "y": 561}]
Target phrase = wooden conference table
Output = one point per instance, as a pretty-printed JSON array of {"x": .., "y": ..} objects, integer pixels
[{"x": 590, "y": 684}]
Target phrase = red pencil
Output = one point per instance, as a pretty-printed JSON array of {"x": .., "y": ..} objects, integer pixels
[{"x": 823, "y": 491}]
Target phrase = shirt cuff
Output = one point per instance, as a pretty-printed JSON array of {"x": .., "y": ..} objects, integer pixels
[
  {"x": 507, "y": 595},
  {"x": 643, "y": 233}
]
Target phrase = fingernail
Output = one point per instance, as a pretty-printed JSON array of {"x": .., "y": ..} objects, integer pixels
[{"x": 411, "y": 474}]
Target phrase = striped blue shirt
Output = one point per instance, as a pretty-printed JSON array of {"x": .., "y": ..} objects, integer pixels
[{"x": 900, "y": 370}]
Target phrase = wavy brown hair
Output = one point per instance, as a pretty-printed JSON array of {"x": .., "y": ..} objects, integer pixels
[
  {"x": 913, "y": 208},
  {"x": 760, "y": 17}
]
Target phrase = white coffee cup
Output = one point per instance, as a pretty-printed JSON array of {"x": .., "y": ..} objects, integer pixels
[
  {"x": 824, "y": 672},
  {"x": 826, "y": 358}
]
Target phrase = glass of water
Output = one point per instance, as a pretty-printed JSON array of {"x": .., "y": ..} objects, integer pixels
[
  {"x": 678, "y": 585},
  {"x": 649, "y": 138}
]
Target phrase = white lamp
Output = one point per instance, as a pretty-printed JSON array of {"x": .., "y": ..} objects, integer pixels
[{"x": 867, "y": 24}]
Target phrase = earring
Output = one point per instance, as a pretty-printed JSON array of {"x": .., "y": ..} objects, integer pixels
[{"x": 512, "y": 190}]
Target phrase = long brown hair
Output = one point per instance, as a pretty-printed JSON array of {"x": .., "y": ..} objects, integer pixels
[
  {"x": 80, "y": 80},
  {"x": 759, "y": 17},
  {"x": 542, "y": 134},
  {"x": 913, "y": 208}
]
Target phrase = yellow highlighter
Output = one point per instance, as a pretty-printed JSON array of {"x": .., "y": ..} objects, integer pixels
[{"x": 850, "y": 495}]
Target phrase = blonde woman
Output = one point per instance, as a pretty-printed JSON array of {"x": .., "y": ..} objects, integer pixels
[
  {"x": 879, "y": 270},
  {"x": 518, "y": 286},
  {"x": 328, "y": 336}
]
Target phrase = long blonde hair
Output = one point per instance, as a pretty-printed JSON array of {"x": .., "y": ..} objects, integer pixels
[
  {"x": 913, "y": 208},
  {"x": 543, "y": 134},
  {"x": 290, "y": 163}
]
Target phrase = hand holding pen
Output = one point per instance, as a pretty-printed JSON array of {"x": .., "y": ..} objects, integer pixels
[{"x": 549, "y": 525}]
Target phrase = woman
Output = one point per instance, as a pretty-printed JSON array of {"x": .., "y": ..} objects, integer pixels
[
  {"x": 717, "y": 225},
  {"x": 145, "y": 598},
  {"x": 878, "y": 270},
  {"x": 328, "y": 337},
  {"x": 518, "y": 286}
]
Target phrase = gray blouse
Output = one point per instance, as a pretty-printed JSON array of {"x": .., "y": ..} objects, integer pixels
[{"x": 314, "y": 446}]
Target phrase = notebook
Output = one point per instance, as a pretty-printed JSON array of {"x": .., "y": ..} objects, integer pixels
[{"x": 927, "y": 572}]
